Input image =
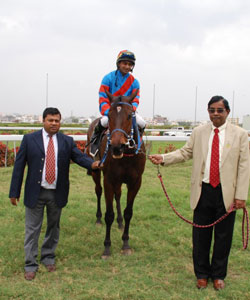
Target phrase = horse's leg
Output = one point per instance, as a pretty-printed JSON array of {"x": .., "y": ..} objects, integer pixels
[
  {"x": 128, "y": 213},
  {"x": 98, "y": 190},
  {"x": 118, "y": 207},
  {"x": 109, "y": 217}
]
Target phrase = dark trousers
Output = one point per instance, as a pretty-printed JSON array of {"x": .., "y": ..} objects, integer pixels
[
  {"x": 33, "y": 225},
  {"x": 209, "y": 209}
]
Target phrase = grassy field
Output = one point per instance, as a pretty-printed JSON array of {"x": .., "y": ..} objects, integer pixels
[{"x": 159, "y": 268}]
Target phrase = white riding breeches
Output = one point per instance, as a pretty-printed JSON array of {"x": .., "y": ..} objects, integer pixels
[
  {"x": 139, "y": 120},
  {"x": 104, "y": 121}
]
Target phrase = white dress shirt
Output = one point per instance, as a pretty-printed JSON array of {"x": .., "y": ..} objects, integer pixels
[
  {"x": 222, "y": 131},
  {"x": 44, "y": 183}
]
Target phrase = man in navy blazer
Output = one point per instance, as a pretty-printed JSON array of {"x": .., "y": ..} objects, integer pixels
[{"x": 39, "y": 192}]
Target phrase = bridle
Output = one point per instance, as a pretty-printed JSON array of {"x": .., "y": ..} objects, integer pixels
[
  {"x": 130, "y": 136},
  {"x": 119, "y": 103}
]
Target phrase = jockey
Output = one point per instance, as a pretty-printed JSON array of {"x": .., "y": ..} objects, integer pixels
[{"x": 119, "y": 83}]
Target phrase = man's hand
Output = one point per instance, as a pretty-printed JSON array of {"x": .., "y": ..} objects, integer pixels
[
  {"x": 95, "y": 165},
  {"x": 156, "y": 159},
  {"x": 14, "y": 201},
  {"x": 239, "y": 203}
]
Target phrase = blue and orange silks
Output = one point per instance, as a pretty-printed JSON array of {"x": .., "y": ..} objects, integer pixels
[{"x": 117, "y": 85}]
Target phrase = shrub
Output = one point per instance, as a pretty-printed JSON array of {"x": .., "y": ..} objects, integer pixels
[
  {"x": 10, "y": 155},
  {"x": 168, "y": 148},
  {"x": 81, "y": 145}
]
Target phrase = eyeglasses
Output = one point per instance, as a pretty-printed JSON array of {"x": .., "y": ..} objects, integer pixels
[{"x": 218, "y": 110}]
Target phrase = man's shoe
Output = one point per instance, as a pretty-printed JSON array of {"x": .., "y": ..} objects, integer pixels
[
  {"x": 29, "y": 275},
  {"x": 219, "y": 284},
  {"x": 51, "y": 268},
  {"x": 201, "y": 283}
]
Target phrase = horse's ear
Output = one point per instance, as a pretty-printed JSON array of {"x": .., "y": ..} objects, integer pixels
[
  {"x": 133, "y": 95},
  {"x": 110, "y": 96}
]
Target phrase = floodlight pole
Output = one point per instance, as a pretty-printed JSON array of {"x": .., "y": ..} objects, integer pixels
[
  {"x": 154, "y": 102},
  {"x": 233, "y": 106},
  {"x": 47, "y": 88},
  {"x": 195, "y": 107}
]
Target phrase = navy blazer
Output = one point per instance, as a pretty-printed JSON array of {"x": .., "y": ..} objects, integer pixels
[{"x": 32, "y": 152}]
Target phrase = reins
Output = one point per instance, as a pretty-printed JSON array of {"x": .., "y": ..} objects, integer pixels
[
  {"x": 245, "y": 218},
  {"x": 129, "y": 136}
]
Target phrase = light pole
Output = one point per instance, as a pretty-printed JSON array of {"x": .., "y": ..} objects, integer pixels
[
  {"x": 233, "y": 107},
  {"x": 154, "y": 102},
  {"x": 47, "y": 87},
  {"x": 195, "y": 106}
]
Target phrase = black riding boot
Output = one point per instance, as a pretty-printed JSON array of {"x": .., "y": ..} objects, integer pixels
[
  {"x": 95, "y": 139},
  {"x": 141, "y": 130}
]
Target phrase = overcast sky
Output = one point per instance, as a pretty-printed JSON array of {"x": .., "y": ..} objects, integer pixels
[{"x": 179, "y": 45}]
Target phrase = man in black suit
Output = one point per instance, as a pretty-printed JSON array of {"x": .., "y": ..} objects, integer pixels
[{"x": 47, "y": 153}]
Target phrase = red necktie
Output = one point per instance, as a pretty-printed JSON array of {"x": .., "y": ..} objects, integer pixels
[
  {"x": 214, "y": 165},
  {"x": 50, "y": 162}
]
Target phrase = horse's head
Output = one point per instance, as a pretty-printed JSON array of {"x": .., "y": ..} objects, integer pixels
[{"x": 120, "y": 122}]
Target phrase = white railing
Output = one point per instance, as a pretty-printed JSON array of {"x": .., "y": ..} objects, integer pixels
[
  {"x": 38, "y": 128},
  {"x": 83, "y": 137},
  {"x": 86, "y": 129},
  {"x": 71, "y": 128}
]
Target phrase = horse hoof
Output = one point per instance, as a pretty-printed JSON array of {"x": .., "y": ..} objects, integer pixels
[
  {"x": 105, "y": 257},
  {"x": 126, "y": 252},
  {"x": 98, "y": 223},
  {"x": 106, "y": 253},
  {"x": 120, "y": 226}
]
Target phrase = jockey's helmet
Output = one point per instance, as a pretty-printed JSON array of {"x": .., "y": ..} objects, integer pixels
[{"x": 125, "y": 55}]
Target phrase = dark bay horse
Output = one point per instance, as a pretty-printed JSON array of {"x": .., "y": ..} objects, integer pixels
[{"x": 123, "y": 162}]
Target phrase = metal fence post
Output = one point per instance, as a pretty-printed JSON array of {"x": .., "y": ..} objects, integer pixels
[
  {"x": 15, "y": 150},
  {"x": 6, "y": 155}
]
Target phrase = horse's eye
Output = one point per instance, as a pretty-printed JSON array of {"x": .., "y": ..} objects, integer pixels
[{"x": 129, "y": 117}]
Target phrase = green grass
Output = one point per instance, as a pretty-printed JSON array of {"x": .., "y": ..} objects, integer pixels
[{"x": 159, "y": 268}]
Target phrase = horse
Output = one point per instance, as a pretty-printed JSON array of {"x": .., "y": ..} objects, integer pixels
[{"x": 123, "y": 161}]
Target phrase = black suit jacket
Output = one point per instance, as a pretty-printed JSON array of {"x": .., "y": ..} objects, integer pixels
[{"x": 32, "y": 153}]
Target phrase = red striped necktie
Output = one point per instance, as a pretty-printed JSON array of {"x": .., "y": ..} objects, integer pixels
[
  {"x": 214, "y": 164},
  {"x": 50, "y": 162}
]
